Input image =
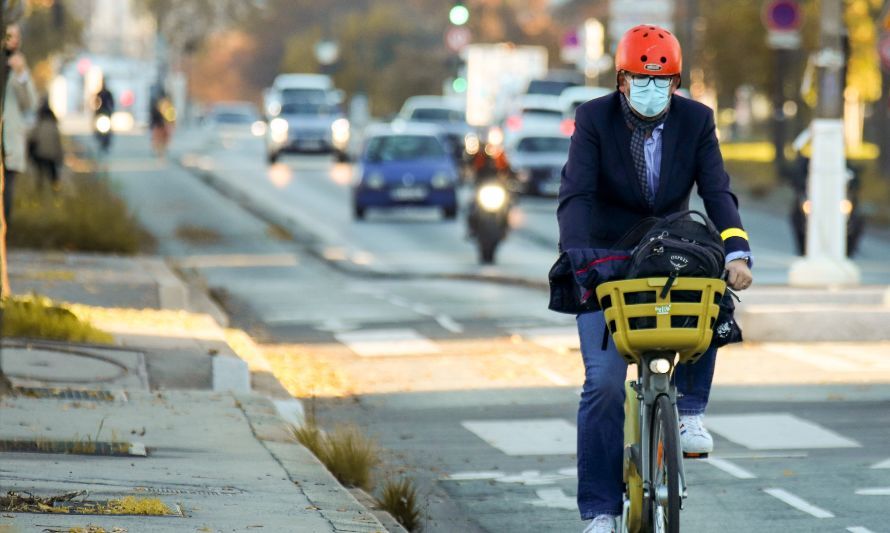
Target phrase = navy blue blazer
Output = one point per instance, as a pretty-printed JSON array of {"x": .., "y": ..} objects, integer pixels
[{"x": 600, "y": 197}]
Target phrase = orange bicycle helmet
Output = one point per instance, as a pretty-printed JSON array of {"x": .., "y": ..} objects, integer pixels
[{"x": 648, "y": 49}]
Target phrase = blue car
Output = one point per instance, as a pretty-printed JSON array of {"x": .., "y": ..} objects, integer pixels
[{"x": 406, "y": 165}]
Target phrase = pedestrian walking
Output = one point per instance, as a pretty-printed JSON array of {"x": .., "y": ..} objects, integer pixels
[
  {"x": 46, "y": 148},
  {"x": 21, "y": 98}
]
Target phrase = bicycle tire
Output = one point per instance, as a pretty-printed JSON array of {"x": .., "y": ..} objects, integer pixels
[{"x": 664, "y": 468}]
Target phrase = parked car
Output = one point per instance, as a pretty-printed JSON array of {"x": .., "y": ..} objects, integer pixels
[
  {"x": 449, "y": 115},
  {"x": 535, "y": 157},
  {"x": 405, "y": 164},
  {"x": 572, "y": 97}
]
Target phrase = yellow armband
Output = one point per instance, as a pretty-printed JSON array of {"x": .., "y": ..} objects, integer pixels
[{"x": 734, "y": 232}]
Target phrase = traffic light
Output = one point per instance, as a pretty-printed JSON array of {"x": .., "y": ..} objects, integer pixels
[{"x": 459, "y": 14}]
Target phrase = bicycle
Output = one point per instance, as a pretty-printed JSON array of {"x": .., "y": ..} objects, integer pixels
[{"x": 652, "y": 323}]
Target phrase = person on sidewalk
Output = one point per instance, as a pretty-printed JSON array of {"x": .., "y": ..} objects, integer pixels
[
  {"x": 45, "y": 145},
  {"x": 637, "y": 153},
  {"x": 21, "y": 98}
]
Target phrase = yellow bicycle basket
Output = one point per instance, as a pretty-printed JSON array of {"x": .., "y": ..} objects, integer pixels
[{"x": 640, "y": 320}]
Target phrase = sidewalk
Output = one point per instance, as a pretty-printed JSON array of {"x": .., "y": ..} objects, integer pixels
[{"x": 166, "y": 415}]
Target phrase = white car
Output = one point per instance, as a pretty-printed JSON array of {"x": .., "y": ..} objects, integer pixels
[
  {"x": 536, "y": 156},
  {"x": 572, "y": 97}
]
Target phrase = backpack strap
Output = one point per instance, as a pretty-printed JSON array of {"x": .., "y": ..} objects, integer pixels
[
  {"x": 634, "y": 235},
  {"x": 673, "y": 217}
]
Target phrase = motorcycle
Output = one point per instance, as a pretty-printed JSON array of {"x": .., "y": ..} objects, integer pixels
[
  {"x": 102, "y": 130},
  {"x": 488, "y": 217},
  {"x": 801, "y": 206}
]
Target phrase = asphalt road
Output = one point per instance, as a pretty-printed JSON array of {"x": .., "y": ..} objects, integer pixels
[{"x": 399, "y": 304}]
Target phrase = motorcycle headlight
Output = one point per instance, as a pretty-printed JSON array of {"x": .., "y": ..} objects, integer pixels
[
  {"x": 279, "y": 128},
  {"x": 807, "y": 206},
  {"x": 492, "y": 197},
  {"x": 103, "y": 124},
  {"x": 374, "y": 180},
  {"x": 846, "y": 207},
  {"x": 471, "y": 143},
  {"x": 442, "y": 180},
  {"x": 340, "y": 132}
]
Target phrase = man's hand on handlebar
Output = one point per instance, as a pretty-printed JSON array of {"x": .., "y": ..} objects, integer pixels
[{"x": 739, "y": 276}]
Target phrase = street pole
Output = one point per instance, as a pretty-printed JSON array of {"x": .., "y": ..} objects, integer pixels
[
  {"x": 780, "y": 70},
  {"x": 826, "y": 261},
  {"x": 883, "y": 112}
]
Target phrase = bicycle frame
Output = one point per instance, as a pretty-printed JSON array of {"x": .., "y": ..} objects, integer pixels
[{"x": 638, "y": 429}]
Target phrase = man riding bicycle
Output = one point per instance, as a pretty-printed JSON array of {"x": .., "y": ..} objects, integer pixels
[{"x": 636, "y": 153}]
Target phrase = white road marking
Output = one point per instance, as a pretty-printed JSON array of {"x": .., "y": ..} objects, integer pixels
[
  {"x": 449, "y": 323},
  {"x": 813, "y": 357},
  {"x": 558, "y": 339},
  {"x": 474, "y": 476},
  {"x": 858, "y": 529},
  {"x": 554, "y": 378},
  {"x": 877, "y": 491},
  {"x": 730, "y": 468},
  {"x": 422, "y": 309},
  {"x": 545, "y": 436},
  {"x": 780, "y": 431},
  {"x": 533, "y": 477},
  {"x": 554, "y": 498},
  {"x": 767, "y": 455},
  {"x": 882, "y": 464},
  {"x": 526, "y": 477},
  {"x": 334, "y": 325},
  {"x": 798, "y": 503},
  {"x": 387, "y": 342}
]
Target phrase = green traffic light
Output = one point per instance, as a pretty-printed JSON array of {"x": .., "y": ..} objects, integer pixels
[
  {"x": 459, "y": 15},
  {"x": 459, "y": 85}
]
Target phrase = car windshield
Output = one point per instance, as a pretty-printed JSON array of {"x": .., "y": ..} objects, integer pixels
[
  {"x": 437, "y": 114},
  {"x": 548, "y": 87},
  {"x": 541, "y": 112},
  {"x": 404, "y": 148},
  {"x": 303, "y": 95},
  {"x": 538, "y": 145},
  {"x": 233, "y": 117},
  {"x": 306, "y": 108}
]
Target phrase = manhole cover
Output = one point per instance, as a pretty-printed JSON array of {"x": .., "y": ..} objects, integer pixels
[
  {"x": 73, "y": 447},
  {"x": 44, "y": 393},
  {"x": 51, "y": 365}
]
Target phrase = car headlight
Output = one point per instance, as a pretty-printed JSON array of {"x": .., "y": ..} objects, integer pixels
[
  {"x": 340, "y": 131},
  {"x": 442, "y": 180},
  {"x": 374, "y": 180},
  {"x": 103, "y": 124},
  {"x": 492, "y": 197},
  {"x": 846, "y": 207},
  {"x": 807, "y": 206},
  {"x": 471, "y": 143},
  {"x": 258, "y": 128},
  {"x": 659, "y": 366},
  {"x": 279, "y": 128}
]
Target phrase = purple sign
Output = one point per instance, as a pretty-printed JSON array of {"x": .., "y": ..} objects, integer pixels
[{"x": 782, "y": 15}]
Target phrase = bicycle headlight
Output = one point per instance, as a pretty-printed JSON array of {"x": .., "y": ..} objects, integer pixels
[
  {"x": 492, "y": 197},
  {"x": 659, "y": 366},
  {"x": 103, "y": 124}
]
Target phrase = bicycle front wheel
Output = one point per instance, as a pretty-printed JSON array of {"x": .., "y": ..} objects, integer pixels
[{"x": 664, "y": 468}]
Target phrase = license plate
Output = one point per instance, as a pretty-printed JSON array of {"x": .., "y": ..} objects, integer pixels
[
  {"x": 309, "y": 144},
  {"x": 408, "y": 193}
]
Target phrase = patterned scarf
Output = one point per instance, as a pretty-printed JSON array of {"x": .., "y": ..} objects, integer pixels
[{"x": 641, "y": 129}]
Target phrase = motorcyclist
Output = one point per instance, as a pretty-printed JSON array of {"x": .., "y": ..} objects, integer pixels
[{"x": 637, "y": 153}]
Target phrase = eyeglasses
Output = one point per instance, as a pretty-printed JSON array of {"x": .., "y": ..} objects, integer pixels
[{"x": 661, "y": 82}]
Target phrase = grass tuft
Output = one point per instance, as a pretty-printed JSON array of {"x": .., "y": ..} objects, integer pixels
[
  {"x": 347, "y": 452},
  {"x": 86, "y": 215},
  {"x": 35, "y": 317},
  {"x": 399, "y": 498}
]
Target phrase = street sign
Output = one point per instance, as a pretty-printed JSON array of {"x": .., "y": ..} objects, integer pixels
[
  {"x": 457, "y": 38},
  {"x": 782, "y": 15},
  {"x": 786, "y": 40},
  {"x": 884, "y": 51},
  {"x": 625, "y": 14}
]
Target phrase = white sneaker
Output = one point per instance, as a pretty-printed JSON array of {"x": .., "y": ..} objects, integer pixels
[
  {"x": 604, "y": 523},
  {"x": 694, "y": 438}
]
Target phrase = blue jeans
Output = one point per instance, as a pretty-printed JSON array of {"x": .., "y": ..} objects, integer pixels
[{"x": 601, "y": 415}]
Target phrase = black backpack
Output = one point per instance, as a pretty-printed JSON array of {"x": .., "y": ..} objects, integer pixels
[{"x": 678, "y": 246}]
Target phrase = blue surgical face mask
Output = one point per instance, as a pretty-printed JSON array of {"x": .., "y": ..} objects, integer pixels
[{"x": 649, "y": 101}]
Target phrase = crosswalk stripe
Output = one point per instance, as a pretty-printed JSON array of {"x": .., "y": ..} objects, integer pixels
[
  {"x": 877, "y": 491},
  {"x": 882, "y": 464},
  {"x": 545, "y": 436},
  {"x": 730, "y": 468},
  {"x": 799, "y": 503},
  {"x": 776, "y": 431},
  {"x": 558, "y": 339},
  {"x": 858, "y": 529},
  {"x": 554, "y": 498},
  {"x": 387, "y": 342}
]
